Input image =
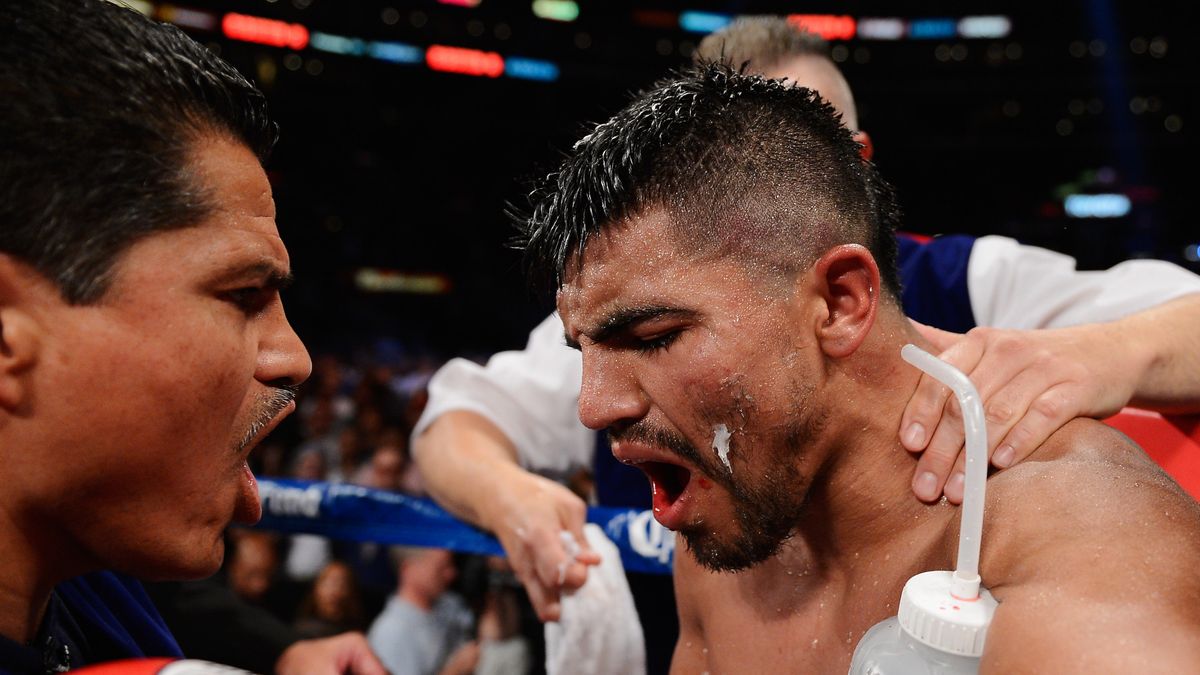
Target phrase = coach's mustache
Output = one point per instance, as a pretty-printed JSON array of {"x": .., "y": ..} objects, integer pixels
[{"x": 274, "y": 404}]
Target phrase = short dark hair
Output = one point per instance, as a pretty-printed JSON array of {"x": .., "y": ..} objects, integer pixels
[
  {"x": 101, "y": 108},
  {"x": 762, "y": 42},
  {"x": 741, "y": 164}
]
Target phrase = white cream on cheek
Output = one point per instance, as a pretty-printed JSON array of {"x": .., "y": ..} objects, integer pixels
[{"x": 720, "y": 444}]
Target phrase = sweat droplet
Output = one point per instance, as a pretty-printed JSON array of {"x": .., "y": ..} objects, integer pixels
[{"x": 721, "y": 445}]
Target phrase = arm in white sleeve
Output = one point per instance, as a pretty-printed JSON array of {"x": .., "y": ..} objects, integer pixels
[
  {"x": 485, "y": 429},
  {"x": 531, "y": 396},
  {"x": 1136, "y": 326},
  {"x": 1016, "y": 286}
]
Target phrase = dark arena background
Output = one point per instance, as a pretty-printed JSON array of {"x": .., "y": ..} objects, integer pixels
[{"x": 408, "y": 128}]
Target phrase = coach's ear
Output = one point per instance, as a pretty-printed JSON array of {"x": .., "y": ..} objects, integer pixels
[
  {"x": 847, "y": 281},
  {"x": 867, "y": 151},
  {"x": 19, "y": 340}
]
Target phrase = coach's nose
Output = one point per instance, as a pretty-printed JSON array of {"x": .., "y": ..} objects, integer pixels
[{"x": 282, "y": 357}]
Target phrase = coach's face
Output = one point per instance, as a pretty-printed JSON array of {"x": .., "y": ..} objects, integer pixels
[
  {"x": 146, "y": 403},
  {"x": 703, "y": 371}
]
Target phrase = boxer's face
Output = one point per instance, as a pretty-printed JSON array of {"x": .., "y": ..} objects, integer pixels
[
  {"x": 689, "y": 362},
  {"x": 152, "y": 397}
]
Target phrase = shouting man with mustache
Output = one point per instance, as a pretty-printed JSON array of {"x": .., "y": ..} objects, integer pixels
[{"x": 144, "y": 350}]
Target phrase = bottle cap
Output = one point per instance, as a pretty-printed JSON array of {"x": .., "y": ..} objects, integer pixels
[{"x": 932, "y": 615}]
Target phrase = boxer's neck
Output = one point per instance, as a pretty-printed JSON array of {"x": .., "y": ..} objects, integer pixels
[{"x": 861, "y": 512}]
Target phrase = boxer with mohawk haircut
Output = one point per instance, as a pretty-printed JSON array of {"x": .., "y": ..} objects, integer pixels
[{"x": 725, "y": 263}]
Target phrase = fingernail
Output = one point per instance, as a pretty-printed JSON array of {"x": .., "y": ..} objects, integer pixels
[
  {"x": 955, "y": 484},
  {"x": 926, "y": 486},
  {"x": 914, "y": 437},
  {"x": 1004, "y": 456}
]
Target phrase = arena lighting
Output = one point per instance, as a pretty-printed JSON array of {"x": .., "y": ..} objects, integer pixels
[
  {"x": 337, "y": 44},
  {"x": 881, "y": 28},
  {"x": 395, "y": 52},
  {"x": 1097, "y": 206},
  {"x": 264, "y": 31},
  {"x": 556, "y": 10},
  {"x": 464, "y": 61},
  {"x": 703, "y": 22},
  {"x": 188, "y": 18},
  {"x": 530, "y": 69},
  {"x": 655, "y": 18},
  {"x": 828, "y": 26},
  {"x": 139, "y": 6},
  {"x": 984, "y": 26},
  {"x": 932, "y": 29},
  {"x": 375, "y": 280}
]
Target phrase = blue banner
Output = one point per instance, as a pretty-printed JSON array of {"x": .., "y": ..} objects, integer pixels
[{"x": 354, "y": 513}]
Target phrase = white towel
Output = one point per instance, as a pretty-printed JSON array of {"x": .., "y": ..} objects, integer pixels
[{"x": 599, "y": 632}]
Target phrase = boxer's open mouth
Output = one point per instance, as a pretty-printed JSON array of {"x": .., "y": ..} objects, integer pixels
[{"x": 669, "y": 480}]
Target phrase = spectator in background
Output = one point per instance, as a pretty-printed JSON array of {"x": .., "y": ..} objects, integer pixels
[
  {"x": 503, "y": 649},
  {"x": 328, "y": 383},
  {"x": 333, "y": 605},
  {"x": 424, "y": 629},
  {"x": 350, "y": 450},
  {"x": 252, "y": 566},
  {"x": 384, "y": 470},
  {"x": 319, "y": 429},
  {"x": 310, "y": 465},
  {"x": 369, "y": 421},
  {"x": 307, "y": 554}
]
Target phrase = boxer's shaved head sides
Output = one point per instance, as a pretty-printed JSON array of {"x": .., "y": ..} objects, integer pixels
[{"x": 742, "y": 165}]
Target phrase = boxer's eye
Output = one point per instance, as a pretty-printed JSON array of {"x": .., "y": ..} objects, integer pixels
[{"x": 656, "y": 343}]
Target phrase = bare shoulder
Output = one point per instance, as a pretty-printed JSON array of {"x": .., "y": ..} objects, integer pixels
[
  {"x": 1097, "y": 473},
  {"x": 1089, "y": 543},
  {"x": 1088, "y": 492}
]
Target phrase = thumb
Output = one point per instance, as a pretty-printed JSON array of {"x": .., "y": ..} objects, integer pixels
[{"x": 586, "y": 555}]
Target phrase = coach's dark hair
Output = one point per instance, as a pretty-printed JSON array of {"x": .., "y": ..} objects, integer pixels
[
  {"x": 100, "y": 109},
  {"x": 761, "y": 41},
  {"x": 741, "y": 164}
]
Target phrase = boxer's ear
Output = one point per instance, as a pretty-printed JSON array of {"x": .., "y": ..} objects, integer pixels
[
  {"x": 847, "y": 281},
  {"x": 19, "y": 331}
]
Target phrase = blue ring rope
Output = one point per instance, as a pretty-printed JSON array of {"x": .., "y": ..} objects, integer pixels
[{"x": 354, "y": 513}]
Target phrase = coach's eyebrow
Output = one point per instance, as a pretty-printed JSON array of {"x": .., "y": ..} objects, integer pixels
[{"x": 269, "y": 272}]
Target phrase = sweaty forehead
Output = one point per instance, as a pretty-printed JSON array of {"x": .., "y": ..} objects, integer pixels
[{"x": 627, "y": 261}]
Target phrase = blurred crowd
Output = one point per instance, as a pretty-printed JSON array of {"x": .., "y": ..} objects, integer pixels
[{"x": 425, "y": 611}]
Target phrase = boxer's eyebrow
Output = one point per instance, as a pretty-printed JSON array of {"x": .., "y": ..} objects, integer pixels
[{"x": 623, "y": 320}]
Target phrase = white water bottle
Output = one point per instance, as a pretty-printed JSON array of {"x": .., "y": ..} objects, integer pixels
[
  {"x": 934, "y": 632},
  {"x": 943, "y": 617}
]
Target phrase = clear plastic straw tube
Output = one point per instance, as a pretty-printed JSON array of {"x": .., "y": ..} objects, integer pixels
[{"x": 966, "y": 575}]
